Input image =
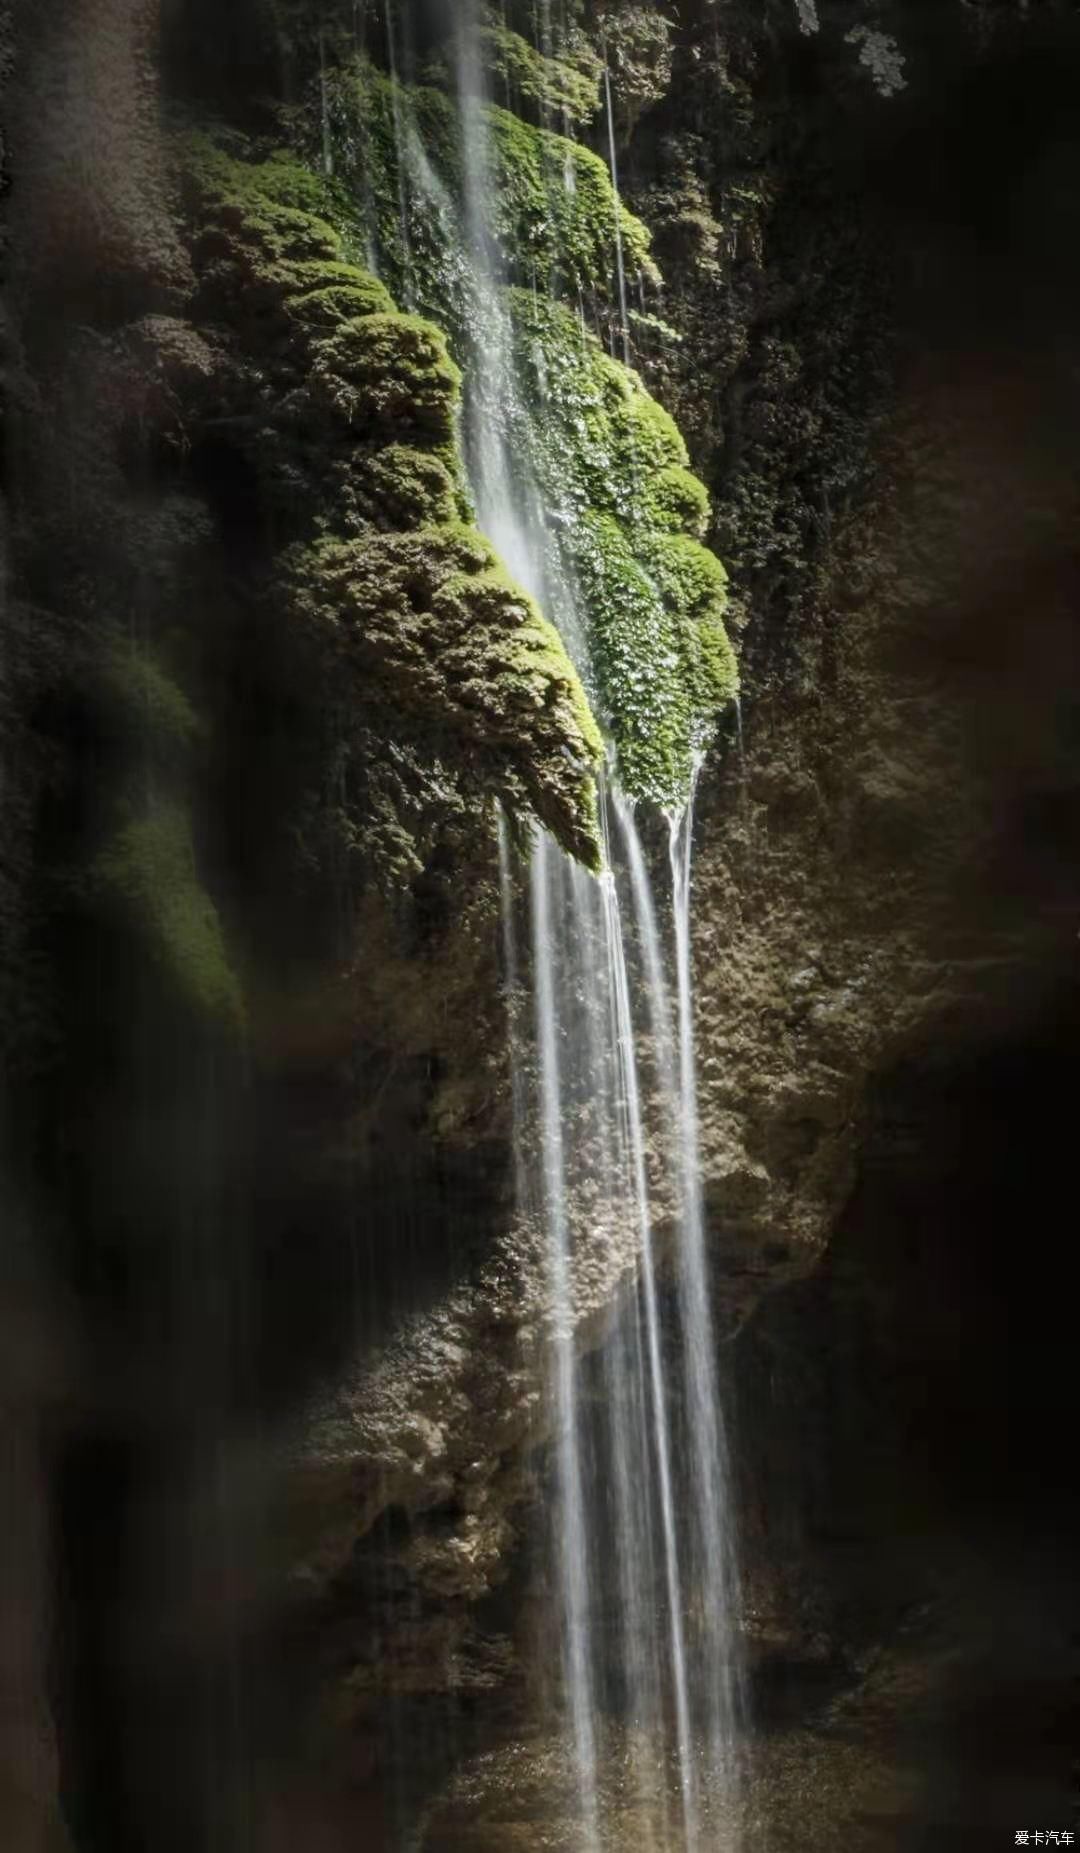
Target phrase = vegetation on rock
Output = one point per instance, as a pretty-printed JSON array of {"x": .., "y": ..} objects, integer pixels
[
  {"x": 145, "y": 877},
  {"x": 398, "y": 154},
  {"x": 348, "y": 411},
  {"x": 628, "y": 517},
  {"x": 625, "y": 519},
  {"x": 563, "y": 87},
  {"x": 428, "y": 622}
]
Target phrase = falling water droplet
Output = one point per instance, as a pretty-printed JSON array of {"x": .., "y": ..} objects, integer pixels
[{"x": 620, "y": 261}]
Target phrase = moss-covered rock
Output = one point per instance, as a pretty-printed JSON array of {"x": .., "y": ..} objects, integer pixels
[
  {"x": 357, "y": 434},
  {"x": 412, "y": 488},
  {"x": 145, "y": 880},
  {"x": 430, "y": 624},
  {"x": 627, "y": 528},
  {"x": 564, "y": 88},
  {"x": 550, "y": 206},
  {"x": 143, "y": 706},
  {"x": 627, "y": 517},
  {"x": 348, "y": 410},
  {"x": 392, "y": 371},
  {"x": 342, "y": 301}
]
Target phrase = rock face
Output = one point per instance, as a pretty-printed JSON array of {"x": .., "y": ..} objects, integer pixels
[
  {"x": 869, "y": 888},
  {"x": 879, "y": 874},
  {"x": 885, "y": 908}
]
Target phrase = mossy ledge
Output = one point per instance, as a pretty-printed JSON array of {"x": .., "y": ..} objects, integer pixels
[
  {"x": 430, "y": 622},
  {"x": 629, "y": 517},
  {"x": 627, "y": 520},
  {"x": 348, "y": 411}
]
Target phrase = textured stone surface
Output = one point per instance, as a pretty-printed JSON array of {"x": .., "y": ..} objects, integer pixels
[
  {"x": 888, "y": 871},
  {"x": 863, "y": 890}
]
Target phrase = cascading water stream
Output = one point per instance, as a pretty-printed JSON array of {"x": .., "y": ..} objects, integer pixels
[
  {"x": 712, "y": 1556},
  {"x": 550, "y": 877},
  {"x": 640, "y": 1482},
  {"x": 639, "y": 1547},
  {"x": 716, "y": 1554},
  {"x": 658, "y": 1400},
  {"x": 504, "y": 508}
]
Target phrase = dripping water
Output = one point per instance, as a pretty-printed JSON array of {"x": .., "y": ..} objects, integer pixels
[
  {"x": 712, "y": 1529},
  {"x": 400, "y": 155},
  {"x": 620, "y": 260},
  {"x": 324, "y": 111},
  {"x": 606, "y": 1138},
  {"x": 657, "y": 1388},
  {"x": 551, "y": 876}
]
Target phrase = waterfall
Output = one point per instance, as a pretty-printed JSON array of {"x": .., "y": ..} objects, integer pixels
[
  {"x": 641, "y": 1524},
  {"x": 713, "y": 1538},
  {"x": 712, "y": 1557},
  {"x": 561, "y": 960},
  {"x": 564, "y": 955},
  {"x": 608, "y": 1172}
]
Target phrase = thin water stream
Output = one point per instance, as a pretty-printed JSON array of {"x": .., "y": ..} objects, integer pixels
[
  {"x": 608, "y": 1165},
  {"x": 641, "y": 1537},
  {"x": 620, "y": 259},
  {"x": 400, "y": 138}
]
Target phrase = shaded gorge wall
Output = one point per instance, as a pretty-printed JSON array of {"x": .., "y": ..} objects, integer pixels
[{"x": 264, "y": 680}]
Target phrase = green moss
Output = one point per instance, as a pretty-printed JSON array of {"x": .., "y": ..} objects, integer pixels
[
  {"x": 300, "y": 280},
  {"x": 680, "y": 501},
  {"x": 552, "y": 207},
  {"x": 143, "y": 705},
  {"x": 634, "y": 647},
  {"x": 391, "y": 370},
  {"x": 628, "y": 517},
  {"x": 556, "y": 210},
  {"x": 430, "y": 625},
  {"x": 254, "y": 216},
  {"x": 358, "y": 441},
  {"x": 560, "y": 87},
  {"x": 341, "y": 302},
  {"x": 146, "y": 877},
  {"x": 412, "y": 488},
  {"x": 349, "y": 411}
]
